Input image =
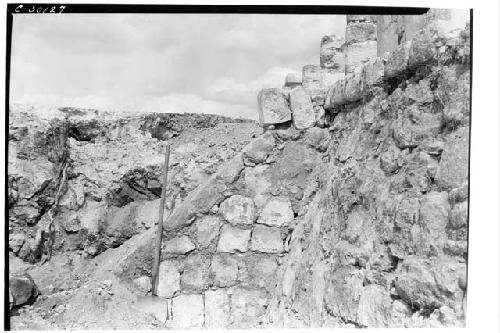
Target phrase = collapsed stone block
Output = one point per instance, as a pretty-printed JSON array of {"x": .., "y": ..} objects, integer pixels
[
  {"x": 238, "y": 210},
  {"x": 273, "y": 107},
  {"x": 302, "y": 109},
  {"x": 187, "y": 311},
  {"x": 331, "y": 53},
  {"x": 267, "y": 239},
  {"x": 277, "y": 212},
  {"x": 233, "y": 239}
]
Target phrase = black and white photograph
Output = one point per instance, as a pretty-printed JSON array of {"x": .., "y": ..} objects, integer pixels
[{"x": 237, "y": 167}]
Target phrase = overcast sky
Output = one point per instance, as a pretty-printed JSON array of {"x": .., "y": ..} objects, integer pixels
[{"x": 160, "y": 62}]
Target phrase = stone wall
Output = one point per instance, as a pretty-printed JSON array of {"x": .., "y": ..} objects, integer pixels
[
  {"x": 346, "y": 212},
  {"x": 393, "y": 30},
  {"x": 360, "y": 40}
]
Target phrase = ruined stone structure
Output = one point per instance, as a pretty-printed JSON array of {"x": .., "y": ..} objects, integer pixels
[{"x": 348, "y": 210}]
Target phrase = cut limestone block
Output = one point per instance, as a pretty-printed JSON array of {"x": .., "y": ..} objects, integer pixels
[
  {"x": 187, "y": 311},
  {"x": 302, "y": 109},
  {"x": 169, "y": 282},
  {"x": 273, "y": 107},
  {"x": 277, "y": 212},
  {"x": 217, "y": 309},
  {"x": 267, "y": 239},
  {"x": 233, "y": 239}
]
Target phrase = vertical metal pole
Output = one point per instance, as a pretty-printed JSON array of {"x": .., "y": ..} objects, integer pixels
[{"x": 159, "y": 232}]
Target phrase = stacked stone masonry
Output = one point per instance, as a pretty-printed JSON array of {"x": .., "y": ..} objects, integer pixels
[{"x": 235, "y": 253}]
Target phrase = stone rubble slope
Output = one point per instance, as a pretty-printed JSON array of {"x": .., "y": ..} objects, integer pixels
[{"x": 115, "y": 168}]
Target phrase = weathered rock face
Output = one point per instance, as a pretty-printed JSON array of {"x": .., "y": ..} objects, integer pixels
[{"x": 273, "y": 108}]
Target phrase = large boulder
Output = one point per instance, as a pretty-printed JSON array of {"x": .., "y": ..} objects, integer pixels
[
  {"x": 22, "y": 289},
  {"x": 273, "y": 107},
  {"x": 302, "y": 109}
]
